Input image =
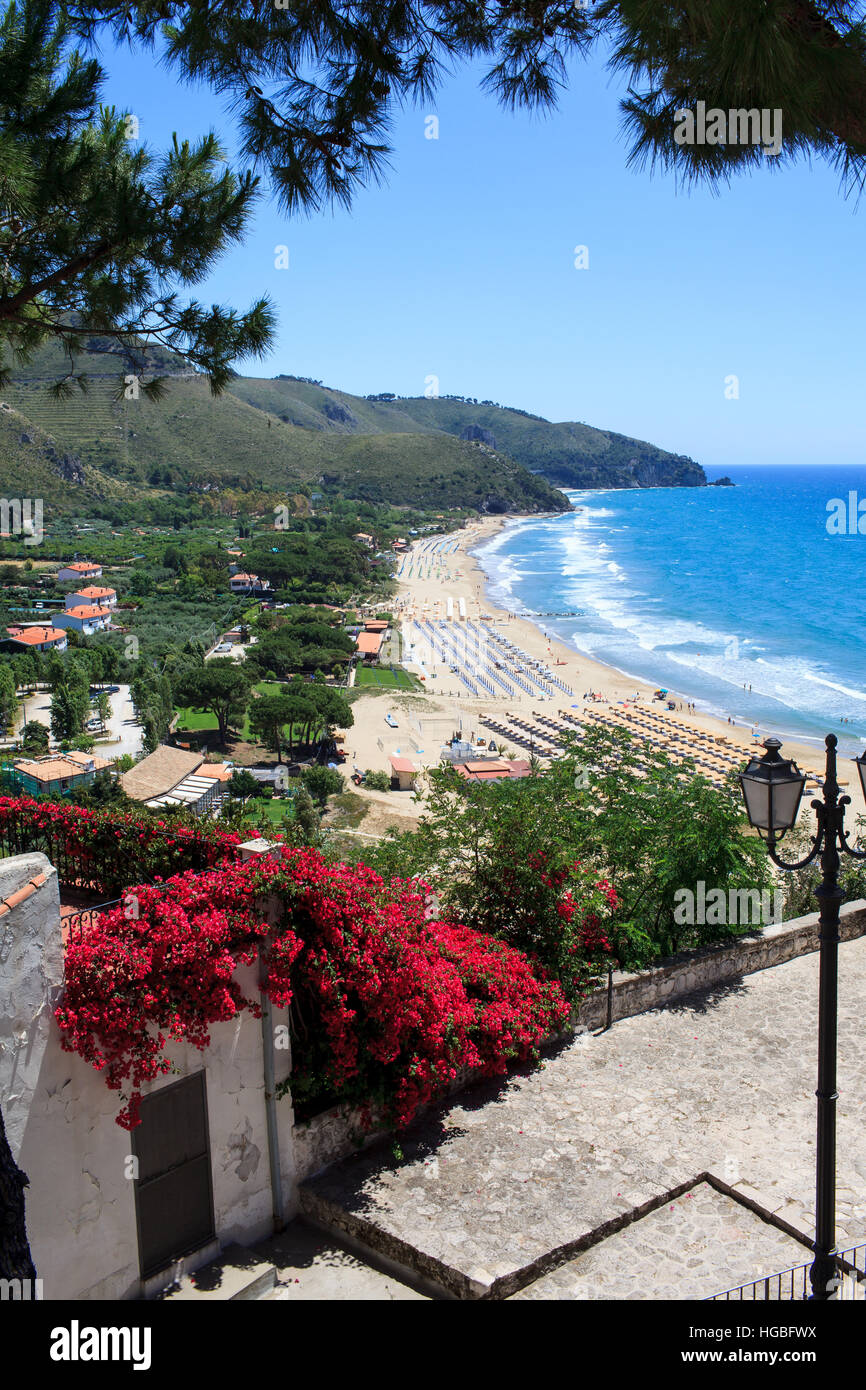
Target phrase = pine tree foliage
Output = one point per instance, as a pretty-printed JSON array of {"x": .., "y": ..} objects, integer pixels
[
  {"x": 97, "y": 233},
  {"x": 315, "y": 84}
]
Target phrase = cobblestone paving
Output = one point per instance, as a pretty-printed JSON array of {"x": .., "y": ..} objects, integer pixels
[
  {"x": 722, "y": 1081},
  {"x": 676, "y": 1253}
]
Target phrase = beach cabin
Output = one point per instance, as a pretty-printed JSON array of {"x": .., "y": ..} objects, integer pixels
[
  {"x": 405, "y": 772},
  {"x": 493, "y": 769}
]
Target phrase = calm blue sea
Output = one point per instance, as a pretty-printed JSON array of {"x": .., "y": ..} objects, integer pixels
[{"x": 708, "y": 590}]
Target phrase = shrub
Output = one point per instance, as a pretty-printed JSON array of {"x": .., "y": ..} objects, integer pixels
[
  {"x": 378, "y": 781},
  {"x": 322, "y": 782},
  {"x": 386, "y": 1006},
  {"x": 109, "y": 849}
]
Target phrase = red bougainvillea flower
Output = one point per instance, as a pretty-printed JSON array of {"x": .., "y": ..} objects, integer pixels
[{"x": 387, "y": 1008}]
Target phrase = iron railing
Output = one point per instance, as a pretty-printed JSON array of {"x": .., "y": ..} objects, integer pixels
[
  {"x": 116, "y": 855},
  {"x": 793, "y": 1284},
  {"x": 76, "y": 924}
]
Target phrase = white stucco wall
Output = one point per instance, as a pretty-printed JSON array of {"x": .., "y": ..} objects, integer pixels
[{"x": 61, "y": 1123}]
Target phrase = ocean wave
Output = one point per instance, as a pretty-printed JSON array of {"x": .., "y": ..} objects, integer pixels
[
  {"x": 843, "y": 689},
  {"x": 651, "y": 590}
]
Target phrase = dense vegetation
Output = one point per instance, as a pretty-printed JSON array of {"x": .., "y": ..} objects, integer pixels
[
  {"x": 90, "y": 450},
  {"x": 508, "y": 857}
]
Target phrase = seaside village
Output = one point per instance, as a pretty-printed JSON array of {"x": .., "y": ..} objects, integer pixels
[{"x": 174, "y": 1143}]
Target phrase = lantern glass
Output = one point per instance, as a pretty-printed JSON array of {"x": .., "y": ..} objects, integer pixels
[{"x": 772, "y": 790}]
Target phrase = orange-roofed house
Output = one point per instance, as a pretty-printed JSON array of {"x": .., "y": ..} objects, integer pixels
[
  {"x": 369, "y": 644},
  {"x": 375, "y": 625},
  {"x": 86, "y": 619},
  {"x": 80, "y": 572},
  {"x": 41, "y": 639},
  {"x": 92, "y": 596},
  {"x": 41, "y": 776},
  {"x": 249, "y": 584}
]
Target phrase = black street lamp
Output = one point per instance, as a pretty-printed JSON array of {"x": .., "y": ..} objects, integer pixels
[{"x": 772, "y": 790}]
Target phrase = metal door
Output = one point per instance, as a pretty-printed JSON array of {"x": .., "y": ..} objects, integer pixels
[{"x": 173, "y": 1194}]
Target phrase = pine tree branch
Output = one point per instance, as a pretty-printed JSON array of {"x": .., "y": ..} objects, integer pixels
[{"x": 11, "y": 303}]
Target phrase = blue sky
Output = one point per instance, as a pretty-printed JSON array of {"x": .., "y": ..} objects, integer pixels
[{"x": 462, "y": 267}]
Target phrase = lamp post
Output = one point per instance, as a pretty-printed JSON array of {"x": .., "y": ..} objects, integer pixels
[{"x": 772, "y": 790}]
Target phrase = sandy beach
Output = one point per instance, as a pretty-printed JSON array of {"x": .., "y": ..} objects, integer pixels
[{"x": 432, "y": 584}]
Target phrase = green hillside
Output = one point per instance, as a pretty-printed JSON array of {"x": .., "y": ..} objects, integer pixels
[
  {"x": 284, "y": 435},
  {"x": 568, "y": 454}
]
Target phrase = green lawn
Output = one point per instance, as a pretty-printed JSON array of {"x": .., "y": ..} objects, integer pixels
[
  {"x": 384, "y": 678},
  {"x": 196, "y": 719},
  {"x": 276, "y": 811}
]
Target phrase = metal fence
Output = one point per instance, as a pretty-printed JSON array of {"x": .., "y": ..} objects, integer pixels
[
  {"x": 793, "y": 1284},
  {"x": 76, "y": 924},
  {"x": 119, "y": 853}
]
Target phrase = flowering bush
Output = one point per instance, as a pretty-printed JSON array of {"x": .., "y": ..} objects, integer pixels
[
  {"x": 502, "y": 856},
  {"x": 106, "y": 850},
  {"x": 386, "y": 1006},
  {"x": 156, "y": 970}
]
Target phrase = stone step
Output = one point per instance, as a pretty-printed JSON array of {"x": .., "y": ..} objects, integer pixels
[{"x": 238, "y": 1273}]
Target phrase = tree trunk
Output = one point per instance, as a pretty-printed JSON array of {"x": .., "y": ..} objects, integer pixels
[{"x": 15, "y": 1259}]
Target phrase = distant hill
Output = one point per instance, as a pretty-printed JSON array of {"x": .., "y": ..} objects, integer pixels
[
  {"x": 285, "y": 435},
  {"x": 567, "y": 454}
]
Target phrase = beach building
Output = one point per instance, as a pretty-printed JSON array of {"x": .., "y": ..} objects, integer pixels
[
  {"x": 493, "y": 769},
  {"x": 369, "y": 644},
  {"x": 40, "y": 639},
  {"x": 79, "y": 572},
  {"x": 175, "y": 777},
  {"x": 92, "y": 595},
  {"x": 86, "y": 619},
  {"x": 405, "y": 771},
  {"x": 58, "y": 774}
]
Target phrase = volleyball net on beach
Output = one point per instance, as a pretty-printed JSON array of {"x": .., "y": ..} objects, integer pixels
[{"x": 434, "y": 730}]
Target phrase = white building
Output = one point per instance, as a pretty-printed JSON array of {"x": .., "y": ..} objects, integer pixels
[
  {"x": 40, "y": 639},
  {"x": 112, "y": 1214},
  {"x": 79, "y": 572},
  {"x": 93, "y": 596},
  {"x": 85, "y": 619},
  {"x": 249, "y": 584}
]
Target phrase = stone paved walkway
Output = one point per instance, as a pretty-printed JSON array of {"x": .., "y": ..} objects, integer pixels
[
  {"x": 676, "y": 1253},
  {"x": 720, "y": 1082},
  {"x": 311, "y": 1266}
]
